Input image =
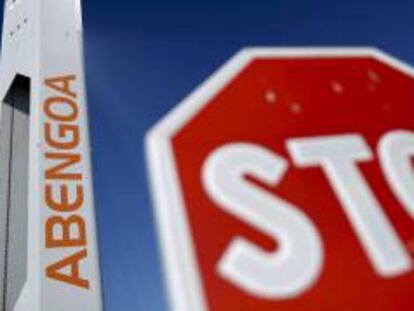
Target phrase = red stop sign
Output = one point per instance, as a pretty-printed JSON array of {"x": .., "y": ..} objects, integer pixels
[{"x": 285, "y": 182}]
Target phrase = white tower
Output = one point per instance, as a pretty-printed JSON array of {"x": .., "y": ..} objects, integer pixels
[{"x": 48, "y": 244}]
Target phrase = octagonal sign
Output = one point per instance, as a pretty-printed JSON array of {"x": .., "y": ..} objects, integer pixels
[{"x": 285, "y": 182}]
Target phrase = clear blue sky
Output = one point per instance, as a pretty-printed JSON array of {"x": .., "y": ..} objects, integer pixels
[{"x": 144, "y": 56}]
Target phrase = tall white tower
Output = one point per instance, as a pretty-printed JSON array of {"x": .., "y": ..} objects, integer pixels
[{"x": 48, "y": 244}]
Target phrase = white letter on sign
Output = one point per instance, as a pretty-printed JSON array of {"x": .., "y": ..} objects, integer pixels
[
  {"x": 296, "y": 264},
  {"x": 337, "y": 155},
  {"x": 396, "y": 151}
]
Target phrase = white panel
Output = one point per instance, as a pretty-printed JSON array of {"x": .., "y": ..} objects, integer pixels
[{"x": 43, "y": 39}]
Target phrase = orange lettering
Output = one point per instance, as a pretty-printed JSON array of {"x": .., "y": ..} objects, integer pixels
[
  {"x": 55, "y": 271},
  {"x": 65, "y": 130},
  {"x": 65, "y": 225},
  {"x": 63, "y": 204},
  {"x": 61, "y": 102},
  {"x": 62, "y": 84},
  {"x": 56, "y": 172}
]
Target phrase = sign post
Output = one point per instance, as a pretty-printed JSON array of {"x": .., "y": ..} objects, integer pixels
[{"x": 286, "y": 182}]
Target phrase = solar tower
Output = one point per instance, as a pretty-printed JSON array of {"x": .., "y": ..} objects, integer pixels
[{"x": 48, "y": 243}]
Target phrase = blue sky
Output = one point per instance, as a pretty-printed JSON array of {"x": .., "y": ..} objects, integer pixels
[{"x": 143, "y": 57}]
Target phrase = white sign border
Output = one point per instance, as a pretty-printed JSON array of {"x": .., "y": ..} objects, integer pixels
[{"x": 179, "y": 258}]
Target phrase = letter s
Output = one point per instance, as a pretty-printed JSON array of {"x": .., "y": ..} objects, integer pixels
[{"x": 295, "y": 266}]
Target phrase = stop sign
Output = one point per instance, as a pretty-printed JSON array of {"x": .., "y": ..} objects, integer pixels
[{"x": 285, "y": 182}]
